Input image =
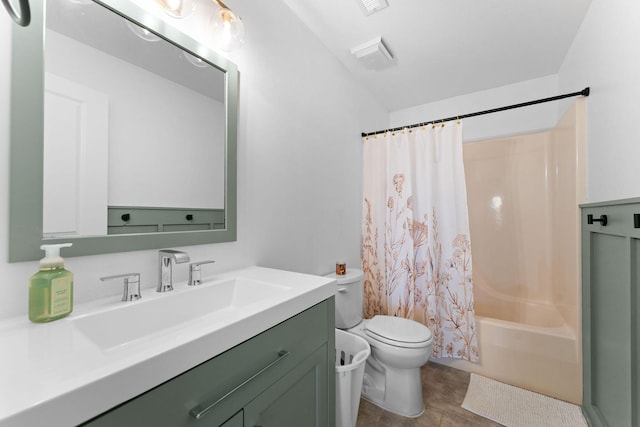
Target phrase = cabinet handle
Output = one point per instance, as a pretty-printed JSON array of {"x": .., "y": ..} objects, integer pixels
[
  {"x": 602, "y": 220},
  {"x": 202, "y": 410}
]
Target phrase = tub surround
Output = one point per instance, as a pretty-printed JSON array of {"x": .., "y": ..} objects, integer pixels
[
  {"x": 55, "y": 372},
  {"x": 523, "y": 194},
  {"x": 525, "y": 247}
]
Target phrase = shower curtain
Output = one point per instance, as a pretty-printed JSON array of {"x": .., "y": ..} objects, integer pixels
[{"x": 416, "y": 253}]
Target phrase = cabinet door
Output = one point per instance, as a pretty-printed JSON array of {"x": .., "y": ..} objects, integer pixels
[
  {"x": 610, "y": 321},
  {"x": 236, "y": 421},
  {"x": 297, "y": 399}
]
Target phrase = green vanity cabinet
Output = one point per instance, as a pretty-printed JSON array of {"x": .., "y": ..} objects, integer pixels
[
  {"x": 236, "y": 421},
  {"x": 281, "y": 377},
  {"x": 611, "y": 312}
]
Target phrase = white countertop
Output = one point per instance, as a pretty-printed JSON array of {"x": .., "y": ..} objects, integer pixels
[{"x": 52, "y": 374}]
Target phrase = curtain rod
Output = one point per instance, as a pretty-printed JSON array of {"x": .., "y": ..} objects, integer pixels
[{"x": 583, "y": 92}]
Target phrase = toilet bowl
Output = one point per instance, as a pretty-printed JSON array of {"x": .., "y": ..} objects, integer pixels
[{"x": 399, "y": 347}]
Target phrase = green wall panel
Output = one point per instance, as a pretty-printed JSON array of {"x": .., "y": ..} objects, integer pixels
[{"x": 610, "y": 318}]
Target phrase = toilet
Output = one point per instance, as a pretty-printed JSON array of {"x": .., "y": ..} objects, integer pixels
[{"x": 399, "y": 347}]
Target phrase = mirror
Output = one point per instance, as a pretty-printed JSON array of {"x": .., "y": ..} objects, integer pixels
[
  {"x": 130, "y": 139},
  {"x": 134, "y": 127}
]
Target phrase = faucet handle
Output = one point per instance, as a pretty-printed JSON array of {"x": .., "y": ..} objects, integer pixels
[
  {"x": 131, "y": 290},
  {"x": 195, "y": 274}
]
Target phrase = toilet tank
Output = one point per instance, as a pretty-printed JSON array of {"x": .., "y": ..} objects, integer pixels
[{"x": 349, "y": 298}]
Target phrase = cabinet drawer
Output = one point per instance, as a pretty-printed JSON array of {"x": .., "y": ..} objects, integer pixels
[{"x": 231, "y": 379}]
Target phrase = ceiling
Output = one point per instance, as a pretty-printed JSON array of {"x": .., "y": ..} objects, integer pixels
[{"x": 445, "y": 48}]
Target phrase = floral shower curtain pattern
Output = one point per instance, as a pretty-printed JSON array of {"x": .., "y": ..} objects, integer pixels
[{"x": 416, "y": 253}]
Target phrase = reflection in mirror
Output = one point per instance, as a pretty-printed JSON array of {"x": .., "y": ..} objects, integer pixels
[
  {"x": 190, "y": 200},
  {"x": 134, "y": 129}
]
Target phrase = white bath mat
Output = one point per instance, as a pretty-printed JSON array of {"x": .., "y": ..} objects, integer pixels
[{"x": 515, "y": 407}]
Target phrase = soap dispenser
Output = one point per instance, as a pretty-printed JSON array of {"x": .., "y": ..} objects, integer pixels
[{"x": 51, "y": 288}]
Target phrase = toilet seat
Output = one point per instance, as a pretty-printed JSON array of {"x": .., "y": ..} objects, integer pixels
[{"x": 398, "y": 332}]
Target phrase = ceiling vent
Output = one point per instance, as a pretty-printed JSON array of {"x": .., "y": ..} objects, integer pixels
[
  {"x": 372, "y": 6},
  {"x": 374, "y": 55}
]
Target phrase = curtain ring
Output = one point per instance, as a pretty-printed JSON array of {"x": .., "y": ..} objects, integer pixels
[{"x": 24, "y": 17}]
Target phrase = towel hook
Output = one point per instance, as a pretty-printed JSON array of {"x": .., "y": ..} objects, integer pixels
[
  {"x": 22, "y": 18},
  {"x": 602, "y": 220}
]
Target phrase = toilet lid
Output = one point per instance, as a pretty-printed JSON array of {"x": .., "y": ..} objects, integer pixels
[
  {"x": 352, "y": 275},
  {"x": 398, "y": 331}
]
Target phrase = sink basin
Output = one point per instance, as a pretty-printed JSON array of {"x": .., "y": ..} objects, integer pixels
[{"x": 156, "y": 313}]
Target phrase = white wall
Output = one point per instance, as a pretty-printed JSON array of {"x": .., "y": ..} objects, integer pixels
[
  {"x": 604, "y": 56},
  {"x": 299, "y": 164},
  {"x": 507, "y": 123}
]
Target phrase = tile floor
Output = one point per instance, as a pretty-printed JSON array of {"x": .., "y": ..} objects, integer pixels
[{"x": 444, "y": 389}]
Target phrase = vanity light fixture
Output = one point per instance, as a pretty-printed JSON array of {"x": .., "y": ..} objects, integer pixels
[
  {"x": 227, "y": 29},
  {"x": 22, "y": 14},
  {"x": 177, "y": 8}
]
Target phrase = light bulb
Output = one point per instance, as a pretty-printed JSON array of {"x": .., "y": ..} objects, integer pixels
[
  {"x": 141, "y": 32},
  {"x": 198, "y": 62},
  {"x": 227, "y": 29},
  {"x": 177, "y": 8}
]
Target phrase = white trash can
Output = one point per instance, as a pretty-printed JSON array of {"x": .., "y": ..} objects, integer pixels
[{"x": 351, "y": 354}]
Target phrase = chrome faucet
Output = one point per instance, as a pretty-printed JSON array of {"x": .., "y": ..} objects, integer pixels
[{"x": 165, "y": 269}]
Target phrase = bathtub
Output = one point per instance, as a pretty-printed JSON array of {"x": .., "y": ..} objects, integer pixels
[
  {"x": 541, "y": 355},
  {"x": 523, "y": 194}
]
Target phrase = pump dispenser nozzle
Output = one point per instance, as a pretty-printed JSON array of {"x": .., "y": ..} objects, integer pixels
[{"x": 52, "y": 255}]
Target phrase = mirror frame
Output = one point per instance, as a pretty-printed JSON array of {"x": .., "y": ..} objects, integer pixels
[{"x": 27, "y": 138}]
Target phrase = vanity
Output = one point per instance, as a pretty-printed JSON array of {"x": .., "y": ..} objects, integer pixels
[{"x": 249, "y": 347}]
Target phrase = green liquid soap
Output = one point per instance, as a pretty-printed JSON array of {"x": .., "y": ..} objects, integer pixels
[
  {"x": 50, "y": 295},
  {"x": 51, "y": 288}
]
